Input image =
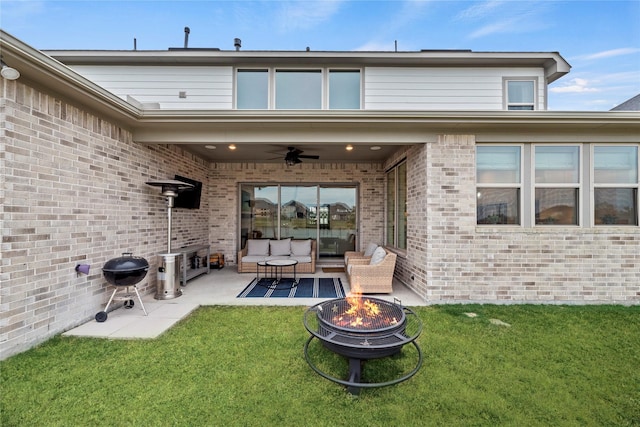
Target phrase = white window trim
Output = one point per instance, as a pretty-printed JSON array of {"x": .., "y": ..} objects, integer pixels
[
  {"x": 520, "y": 186},
  {"x": 580, "y": 185},
  {"x": 593, "y": 185},
  {"x": 271, "y": 79},
  {"x": 505, "y": 91}
]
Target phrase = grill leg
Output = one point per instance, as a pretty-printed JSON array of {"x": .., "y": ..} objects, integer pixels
[
  {"x": 135, "y": 288},
  {"x": 111, "y": 299},
  {"x": 355, "y": 370}
]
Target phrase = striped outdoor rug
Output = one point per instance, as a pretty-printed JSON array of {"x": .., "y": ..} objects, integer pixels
[{"x": 308, "y": 287}]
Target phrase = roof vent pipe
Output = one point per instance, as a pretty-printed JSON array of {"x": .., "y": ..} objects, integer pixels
[
  {"x": 237, "y": 43},
  {"x": 186, "y": 37}
]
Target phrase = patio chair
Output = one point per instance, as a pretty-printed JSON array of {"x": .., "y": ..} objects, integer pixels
[
  {"x": 360, "y": 254},
  {"x": 370, "y": 276}
]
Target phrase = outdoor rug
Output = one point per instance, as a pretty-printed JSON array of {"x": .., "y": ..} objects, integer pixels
[{"x": 308, "y": 287}]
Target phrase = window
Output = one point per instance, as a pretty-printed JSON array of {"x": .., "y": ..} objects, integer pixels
[
  {"x": 396, "y": 212},
  {"x": 252, "y": 92},
  {"x": 499, "y": 182},
  {"x": 344, "y": 90},
  {"x": 520, "y": 94},
  {"x": 557, "y": 185},
  {"x": 298, "y": 89},
  {"x": 615, "y": 182}
]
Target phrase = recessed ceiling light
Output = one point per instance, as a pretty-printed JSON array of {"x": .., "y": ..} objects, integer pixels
[
  {"x": 232, "y": 147},
  {"x": 349, "y": 147},
  {"x": 375, "y": 148},
  {"x": 210, "y": 147}
]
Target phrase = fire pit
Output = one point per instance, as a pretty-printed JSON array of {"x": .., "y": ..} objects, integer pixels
[{"x": 361, "y": 329}]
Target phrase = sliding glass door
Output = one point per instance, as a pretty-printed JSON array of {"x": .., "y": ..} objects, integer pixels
[
  {"x": 337, "y": 221},
  {"x": 321, "y": 212}
]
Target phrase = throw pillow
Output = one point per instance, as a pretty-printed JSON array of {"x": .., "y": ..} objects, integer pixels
[
  {"x": 371, "y": 249},
  {"x": 301, "y": 247},
  {"x": 378, "y": 256},
  {"x": 280, "y": 247},
  {"x": 257, "y": 247}
]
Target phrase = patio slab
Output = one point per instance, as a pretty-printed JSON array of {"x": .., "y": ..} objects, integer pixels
[{"x": 219, "y": 287}]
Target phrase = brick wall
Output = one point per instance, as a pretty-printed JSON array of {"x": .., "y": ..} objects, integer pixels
[
  {"x": 450, "y": 259},
  {"x": 73, "y": 191}
]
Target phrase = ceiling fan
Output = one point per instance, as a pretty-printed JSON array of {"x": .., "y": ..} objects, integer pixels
[{"x": 294, "y": 155}]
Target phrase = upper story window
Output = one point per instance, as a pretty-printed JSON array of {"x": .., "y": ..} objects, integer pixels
[
  {"x": 520, "y": 94},
  {"x": 344, "y": 89},
  {"x": 252, "y": 91},
  {"x": 298, "y": 89}
]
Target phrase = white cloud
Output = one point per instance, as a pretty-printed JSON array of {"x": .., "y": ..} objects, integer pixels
[
  {"x": 505, "y": 17},
  {"x": 576, "y": 85},
  {"x": 610, "y": 53},
  {"x": 302, "y": 15},
  {"x": 376, "y": 47},
  {"x": 480, "y": 10}
]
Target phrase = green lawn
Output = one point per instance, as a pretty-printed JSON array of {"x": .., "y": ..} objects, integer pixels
[{"x": 244, "y": 366}]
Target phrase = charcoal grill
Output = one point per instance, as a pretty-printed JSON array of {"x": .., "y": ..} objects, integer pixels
[
  {"x": 361, "y": 329},
  {"x": 124, "y": 273}
]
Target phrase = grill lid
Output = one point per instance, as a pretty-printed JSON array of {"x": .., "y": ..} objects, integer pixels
[{"x": 125, "y": 264}]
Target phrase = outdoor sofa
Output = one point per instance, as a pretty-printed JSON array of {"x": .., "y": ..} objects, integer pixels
[{"x": 256, "y": 250}]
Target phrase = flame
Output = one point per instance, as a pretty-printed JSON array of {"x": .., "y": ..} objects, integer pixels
[{"x": 361, "y": 312}]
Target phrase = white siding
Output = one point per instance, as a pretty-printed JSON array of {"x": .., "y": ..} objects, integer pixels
[
  {"x": 206, "y": 87},
  {"x": 385, "y": 88},
  {"x": 392, "y": 88}
]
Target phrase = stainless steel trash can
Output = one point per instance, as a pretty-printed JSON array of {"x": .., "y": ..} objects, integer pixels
[{"x": 168, "y": 286}]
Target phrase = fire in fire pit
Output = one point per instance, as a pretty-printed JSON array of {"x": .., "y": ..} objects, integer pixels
[{"x": 362, "y": 329}]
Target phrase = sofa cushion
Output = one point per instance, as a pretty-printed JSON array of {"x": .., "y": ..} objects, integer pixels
[
  {"x": 257, "y": 247},
  {"x": 378, "y": 256},
  {"x": 280, "y": 247},
  {"x": 254, "y": 258},
  {"x": 301, "y": 247},
  {"x": 302, "y": 259},
  {"x": 370, "y": 249}
]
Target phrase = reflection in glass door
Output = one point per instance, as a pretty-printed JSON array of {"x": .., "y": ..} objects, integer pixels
[
  {"x": 336, "y": 221},
  {"x": 297, "y": 211}
]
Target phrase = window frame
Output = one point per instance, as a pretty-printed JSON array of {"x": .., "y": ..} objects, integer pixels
[
  {"x": 398, "y": 205},
  {"x": 519, "y": 186},
  {"x": 534, "y": 102},
  {"x": 579, "y": 186},
  {"x": 325, "y": 89},
  {"x": 593, "y": 185}
]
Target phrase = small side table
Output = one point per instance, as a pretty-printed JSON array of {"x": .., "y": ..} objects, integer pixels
[{"x": 276, "y": 266}]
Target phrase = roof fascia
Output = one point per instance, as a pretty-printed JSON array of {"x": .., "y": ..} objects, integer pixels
[
  {"x": 554, "y": 64},
  {"x": 51, "y": 75}
]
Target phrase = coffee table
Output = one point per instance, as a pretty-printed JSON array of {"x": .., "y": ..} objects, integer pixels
[{"x": 276, "y": 266}]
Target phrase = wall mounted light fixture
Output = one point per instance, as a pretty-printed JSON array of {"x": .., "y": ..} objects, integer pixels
[{"x": 8, "y": 72}]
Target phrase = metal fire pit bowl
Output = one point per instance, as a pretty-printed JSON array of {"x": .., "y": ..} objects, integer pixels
[{"x": 364, "y": 339}]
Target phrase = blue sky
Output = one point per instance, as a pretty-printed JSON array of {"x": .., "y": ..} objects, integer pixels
[{"x": 600, "y": 39}]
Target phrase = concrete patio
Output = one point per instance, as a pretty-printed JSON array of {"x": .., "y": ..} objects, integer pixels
[{"x": 219, "y": 287}]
